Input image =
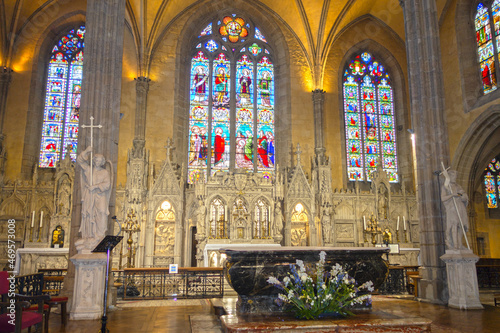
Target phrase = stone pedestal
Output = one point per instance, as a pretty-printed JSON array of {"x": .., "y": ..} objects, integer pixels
[
  {"x": 88, "y": 294},
  {"x": 462, "y": 279}
]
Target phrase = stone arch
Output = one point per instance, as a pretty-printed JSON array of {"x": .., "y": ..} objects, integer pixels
[
  {"x": 262, "y": 18},
  {"x": 480, "y": 143},
  {"x": 478, "y": 146},
  {"x": 402, "y": 116},
  {"x": 44, "y": 46}
]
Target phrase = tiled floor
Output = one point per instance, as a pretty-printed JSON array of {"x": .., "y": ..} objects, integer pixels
[{"x": 197, "y": 316}]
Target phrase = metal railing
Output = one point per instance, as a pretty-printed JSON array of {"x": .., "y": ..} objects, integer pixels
[
  {"x": 157, "y": 283},
  {"x": 29, "y": 285},
  {"x": 397, "y": 281}
]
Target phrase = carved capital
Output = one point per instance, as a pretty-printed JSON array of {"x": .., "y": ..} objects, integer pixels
[
  {"x": 5, "y": 75},
  {"x": 142, "y": 84},
  {"x": 318, "y": 96}
]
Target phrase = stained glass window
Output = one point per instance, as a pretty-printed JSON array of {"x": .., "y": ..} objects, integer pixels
[
  {"x": 492, "y": 182},
  {"x": 231, "y": 120},
  {"x": 369, "y": 119},
  {"x": 62, "y": 99},
  {"x": 487, "y": 47}
]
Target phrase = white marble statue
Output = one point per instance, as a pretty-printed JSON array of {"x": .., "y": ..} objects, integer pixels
[
  {"x": 455, "y": 202},
  {"x": 95, "y": 195},
  {"x": 278, "y": 220}
]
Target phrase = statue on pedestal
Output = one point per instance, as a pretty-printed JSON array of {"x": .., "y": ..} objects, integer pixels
[
  {"x": 326, "y": 224},
  {"x": 455, "y": 202},
  {"x": 96, "y": 190}
]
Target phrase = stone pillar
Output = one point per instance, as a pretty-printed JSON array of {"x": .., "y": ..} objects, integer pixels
[
  {"x": 5, "y": 79},
  {"x": 462, "y": 279},
  {"x": 142, "y": 88},
  {"x": 88, "y": 294},
  {"x": 318, "y": 103},
  {"x": 101, "y": 97},
  {"x": 427, "y": 111}
]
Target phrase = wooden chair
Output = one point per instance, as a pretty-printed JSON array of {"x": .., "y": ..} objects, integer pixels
[
  {"x": 413, "y": 278},
  {"x": 50, "y": 281},
  {"x": 23, "y": 319}
]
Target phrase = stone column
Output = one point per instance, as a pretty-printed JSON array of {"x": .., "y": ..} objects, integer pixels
[
  {"x": 142, "y": 88},
  {"x": 101, "y": 97},
  {"x": 5, "y": 79},
  {"x": 318, "y": 97},
  {"x": 427, "y": 112}
]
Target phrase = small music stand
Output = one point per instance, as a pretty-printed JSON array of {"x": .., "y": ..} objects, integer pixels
[{"x": 106, "y": 245}]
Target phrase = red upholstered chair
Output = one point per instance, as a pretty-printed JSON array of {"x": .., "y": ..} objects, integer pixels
[{"x": 23, "y": 319}]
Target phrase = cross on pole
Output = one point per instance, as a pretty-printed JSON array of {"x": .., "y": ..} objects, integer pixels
[
  {"x": 169, "y": 147},
  {"x": 91, "y": 126}
]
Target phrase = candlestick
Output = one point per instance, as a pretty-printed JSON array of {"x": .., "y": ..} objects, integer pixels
[
  {"x": 39, "y": 235},
  {"x": 41, "y": 219},
  {"x": 364, "y": 223},
  {"x": 404, "y": 223},
  {"x": 397, "y": 226},
  {"x": 33, "y": 219}
]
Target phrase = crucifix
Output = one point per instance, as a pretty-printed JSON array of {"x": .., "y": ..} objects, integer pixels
[
  {"x": 91, "y": 126},
  {"x": 169, "y": 147}
]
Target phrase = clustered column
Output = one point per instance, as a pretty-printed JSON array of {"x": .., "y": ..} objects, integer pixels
[
  {"x": 101, "y": 97},
  {"x": 428, "y": 119}
]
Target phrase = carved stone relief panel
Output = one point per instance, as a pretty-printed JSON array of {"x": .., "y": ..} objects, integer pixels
[
  {"x": 344, "y": 232},
  {"x": 300, "y": 234}
]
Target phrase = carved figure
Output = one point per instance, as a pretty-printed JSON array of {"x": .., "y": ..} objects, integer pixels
[
  {"x": 455, "y": 202},
  {"x": 278, "y": 220},
  {"x": 95, "y": 197},
  {"x": 200, "y": 222},
  {"x": 327, "y": 227},
  {"x": 382, "y": 203},
  {"x": 64, "y": 198}
]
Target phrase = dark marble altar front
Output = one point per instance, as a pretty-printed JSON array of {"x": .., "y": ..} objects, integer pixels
[{"x": 247, "y": 270}]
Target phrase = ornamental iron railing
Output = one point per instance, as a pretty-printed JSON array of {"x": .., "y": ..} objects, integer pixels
[
  {"x": 397, "y": 281},
  {"x": 157, "y": 283},
  {"x": 29, "y": 285}
]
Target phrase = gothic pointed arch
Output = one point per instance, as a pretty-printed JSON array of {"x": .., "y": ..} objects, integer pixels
[
  {"x": 235, "y": 43},
  {"x": 374, "y": 116},
  {"x": 44, "y": 47}
]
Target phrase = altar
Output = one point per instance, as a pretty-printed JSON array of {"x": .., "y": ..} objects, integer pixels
[{"x": 29, "y": 260}]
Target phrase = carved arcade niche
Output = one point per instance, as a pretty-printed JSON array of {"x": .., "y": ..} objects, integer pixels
[
  {"x": 300, "y": 226},
  {"x": 164, "y": 235}
]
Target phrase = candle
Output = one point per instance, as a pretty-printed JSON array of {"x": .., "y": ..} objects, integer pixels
[
  {"x": 33, "y": 219},
  {"x": 397, "y": 226},
  {"x": 364, "y": 222},
  {"x": 41, "y": 219},
  {"x": 404, "y": 223}
]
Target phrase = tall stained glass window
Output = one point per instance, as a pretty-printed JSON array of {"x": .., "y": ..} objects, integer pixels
[
  {"x": 369, "y": 119},
  {"x": 231, "y": 117},
  {"x": 492, "y": 182},
  {"x": 487, "y": 26},
  {"x": 62, "y": 99}
]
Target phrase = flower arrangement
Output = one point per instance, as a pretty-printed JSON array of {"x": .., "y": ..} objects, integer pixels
[{"x": 310, "y": 294}]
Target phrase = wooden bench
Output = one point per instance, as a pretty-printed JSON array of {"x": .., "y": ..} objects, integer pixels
[{"x": 496, "y": 298}]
